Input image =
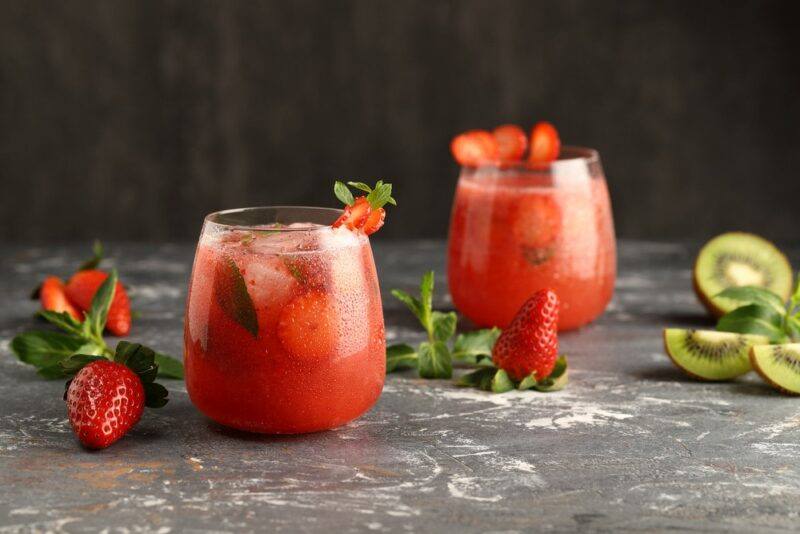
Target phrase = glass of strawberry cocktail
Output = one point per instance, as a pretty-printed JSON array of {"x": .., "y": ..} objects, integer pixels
[
  {"x": 521, "y": 226},
  {"x": 284, "y": 326}
]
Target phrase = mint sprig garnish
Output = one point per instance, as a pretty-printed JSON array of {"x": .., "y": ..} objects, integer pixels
[
  {"x": 435, "y": 357},
  {"x": 50, "y": 352},
  {"x": 762, "y": 312},
  {"x": 377, "y": 197}
]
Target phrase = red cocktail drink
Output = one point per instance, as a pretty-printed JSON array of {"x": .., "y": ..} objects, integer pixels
[
  {"x": 519, "y": 227},
  {"x": 284, "y": 326}
]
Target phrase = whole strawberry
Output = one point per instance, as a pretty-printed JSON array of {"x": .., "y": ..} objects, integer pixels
[
  {"x": 530, "y": 343},
  {"x": 104, "y": 401},
  {"x": 106, "y": 398}
]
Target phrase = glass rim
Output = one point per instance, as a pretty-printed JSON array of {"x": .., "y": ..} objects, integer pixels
[
  {"x": 213, "y": 218},
  {"x": 573, "y": 154}
]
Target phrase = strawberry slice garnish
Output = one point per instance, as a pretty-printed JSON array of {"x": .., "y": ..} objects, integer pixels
[
  {"x": 355, "y": 215},
  {"x": 363, "y": 213},
  {"x": 511, "y": 142},
  {"x": 53, "y": 298},
  {"x": 545, "y": 143},
  {"x": 374, "y": 221},
  {"x": 474, "y": 147},
  {"x": 530, "y": 343},
  {"x": 80, "y": 291}
]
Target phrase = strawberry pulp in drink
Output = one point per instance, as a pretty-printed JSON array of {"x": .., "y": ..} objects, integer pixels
[
  {"x": 284, "y": 327},
  {"x": 519, "y": 228}
]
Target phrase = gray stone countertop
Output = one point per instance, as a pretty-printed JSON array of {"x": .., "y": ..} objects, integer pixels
[{"x": 630, "y": 445}]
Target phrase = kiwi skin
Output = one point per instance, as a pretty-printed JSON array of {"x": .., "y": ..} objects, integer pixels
[
  {"x": 768, "y": 380},
  {"x": 705, "y": 300}
]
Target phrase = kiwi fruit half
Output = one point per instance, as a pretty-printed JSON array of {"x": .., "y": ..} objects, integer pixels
[
  {"x": 711, "y": 355},
  {"x": 779, "y": 365},
  {"x": 739, "y": 259}
]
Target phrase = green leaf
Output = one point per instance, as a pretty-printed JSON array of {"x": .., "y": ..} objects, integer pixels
[
  {"x": 381, "y": 195},
  {"x": 70, "y": 366},
  {"x": 360, "y": 186},
  {"x": 230, "y": 290},
  {"x": 97, "y": 257},
  {"x": 400, "y": 357},
  {"x": 434, "y": 360},
  {"x": 501, "y": 382},
  {"x": 45, "y": 349},
  {"x": 98, "y": 311},
  {"x": 426, "y": 301},
  {"x": 481, "y": 379},
  {"x": 528, "y": 382},
  {"x": 753, "y": 319},
  {"x": 476, "y": 346},
  {"x": 444, "y": 325},
  {"x": 139, "y": 358},
  {"x": 557, "y": 379},
  {"x": 754, "y": 295},
  {"x": 169, "y": 367},
  {"x": 412, "y": 303},
  {"x": 63, "y": 320},
  {"x": 343, "y": 193},
  {"x": 155, "y": 395}
]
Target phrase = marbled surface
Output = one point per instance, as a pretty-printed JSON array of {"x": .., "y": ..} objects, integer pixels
[{"x": 631, "y": 444}]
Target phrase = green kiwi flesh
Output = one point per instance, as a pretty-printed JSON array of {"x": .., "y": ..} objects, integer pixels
[
  {"x": 711, "y": 355},
  {"x": 739, "y": 259},
  {"x": 778, "y": 365}
]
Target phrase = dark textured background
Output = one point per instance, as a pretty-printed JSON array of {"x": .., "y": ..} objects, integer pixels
[{"x": 133, "y": 119}]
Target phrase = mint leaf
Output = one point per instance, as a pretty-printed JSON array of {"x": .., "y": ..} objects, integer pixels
[
  {"x": 434, "y": 360},
  {"x": 400, "y": 357},
  {"x": 475, "y": 347},
  {"x": 412, "y": 303},
  {"x": 361, "y": 186},
  {"x": 501, "y": 382},
  {"x": 45, "y": 349},
  {"x": 754, "y": 295},
  {"x": 426, "y": 301},
  {"x": 444, "y": 325},
  {"x": 381, "y": 195},
  {"x": 97, "y": 257},
  {"x": 230, "y": 290},
  {"x": 101, "y": 302},
  {"x": 754, "y": 319},
  {"x": 343, "y": 193},
  {"x": 169, "y": 367},
  {"x": 557, "y": 379},
  {"x": 421, "y": 308}
]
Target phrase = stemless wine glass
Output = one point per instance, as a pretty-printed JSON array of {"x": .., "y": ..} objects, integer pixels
[
  {"x": 520, "y": 227},
  {"x": 284, "y": 326}
]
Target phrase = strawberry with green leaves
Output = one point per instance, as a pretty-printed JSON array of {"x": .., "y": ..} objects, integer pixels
[
  {"x": 524, "y": 356},
  {"x": 364, "y": 213},
  {"x": 105, "y": 399},
  {"x": 110, "y": 388}
]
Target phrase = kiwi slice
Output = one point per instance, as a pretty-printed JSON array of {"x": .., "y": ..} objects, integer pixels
[
  {"x": 739, "y": 259},
  {"x": 711, "y": 355},
  {"x": 778, "y": 365}
]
